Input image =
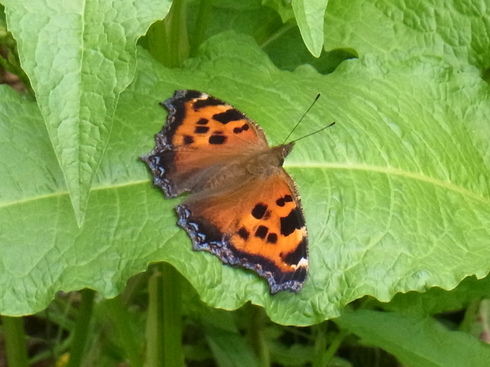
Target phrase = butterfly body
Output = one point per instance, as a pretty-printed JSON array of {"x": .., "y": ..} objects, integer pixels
[{"x": 242, "y": 205}]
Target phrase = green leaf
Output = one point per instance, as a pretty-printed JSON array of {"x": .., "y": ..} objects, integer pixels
[
  {"x": 416, "y": 341},
  {"x": 455, "y": 30},
  {"x": 437, "y": 300},
  {"x": 229, "y": 347},
  {"x": 310, "y": 17},
  {"x": 396, "y": 194},
  {"x": 79, "y": 56}
]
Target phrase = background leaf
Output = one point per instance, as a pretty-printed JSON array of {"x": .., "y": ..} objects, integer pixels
[
  {"x": 309, "y": 16},
  {"x": 87, "y": 58},
  {"x": 437, "y": 300},
  {"x": 456, "y": 30},
  {"x": 416, "y": 341}
]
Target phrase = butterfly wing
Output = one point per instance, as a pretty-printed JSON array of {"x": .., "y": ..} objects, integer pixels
[
  {"x": 262, "y": 230},
  {"x": 202, "y": 135}
]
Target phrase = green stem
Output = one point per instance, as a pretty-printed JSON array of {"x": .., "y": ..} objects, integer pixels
[
  {"x": 320, "y": 344},
  {"x": 256, "y": 336},
  {"x": 15, "y": 346},
  {"x": 164, "y": 324},
  {"x": 81, "y": 331},
  {"x": 172, "y": 318},
  {"x": 154, "y": 323}
]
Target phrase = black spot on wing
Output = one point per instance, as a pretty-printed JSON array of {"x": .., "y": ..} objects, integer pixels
[
  {"x": 243, "y": 233},
  {"x": 229, "y": 115},
  {"x": 272, "y": 238},
  {"x": 259, "y": 210},
  {"x": 238, "y": 130},
  {"x": 261, "y": 232},
  {"x": 285, "y": 199},
  {"x": 188, "y": 139},
  {"x": 291, "y": 222},
  {"x": 201, "y": 129},
  {"x": 202, "y": 121},
  {"x": 217, "y": 139}
]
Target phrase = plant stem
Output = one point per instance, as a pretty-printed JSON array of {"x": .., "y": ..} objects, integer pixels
[
  {"x": 164, "y": 324},
  {"x": 81, "y": 331},
  {"x": 320, "y": 344},
  {"x": 154, "y": 324},
  {"x": 256, "y": 336},
  {"x": 172, "y": 318},
  {"x": 15, "y": 346}
]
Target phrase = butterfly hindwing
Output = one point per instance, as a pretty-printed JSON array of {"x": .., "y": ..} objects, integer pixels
[{"x": 262, "y": 231}]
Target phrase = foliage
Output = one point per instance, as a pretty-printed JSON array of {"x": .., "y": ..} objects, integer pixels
[{"x": 396, "y": 195}]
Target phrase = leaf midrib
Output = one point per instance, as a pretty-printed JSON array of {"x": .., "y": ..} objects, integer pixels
[{"x": 390, "y": 171}]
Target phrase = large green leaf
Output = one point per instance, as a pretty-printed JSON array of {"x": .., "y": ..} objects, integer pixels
[
  {"x": 79, "y": 55},
  {"x": 395, "y": 195},
  {"x": 455, "y": 30},
  {"x": 416, "y": 341}
]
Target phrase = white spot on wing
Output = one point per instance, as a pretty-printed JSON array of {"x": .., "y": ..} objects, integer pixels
[{"x": 303, "y": 263}]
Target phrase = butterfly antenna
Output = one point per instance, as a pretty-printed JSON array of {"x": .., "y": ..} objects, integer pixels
[
  {"x": 301, "y": 119},
  {"x": 314, "y": 132}
]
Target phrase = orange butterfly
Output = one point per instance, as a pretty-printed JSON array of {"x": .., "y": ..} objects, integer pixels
[{"x": 243, "y": 207}]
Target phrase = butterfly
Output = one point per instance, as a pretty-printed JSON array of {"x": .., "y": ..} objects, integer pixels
[{"x": 242, "y": 205}]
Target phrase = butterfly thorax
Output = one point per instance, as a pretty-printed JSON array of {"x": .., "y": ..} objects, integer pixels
[{"x": 267, "y": 161}]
